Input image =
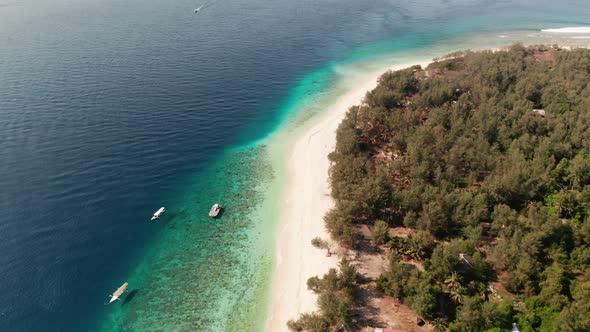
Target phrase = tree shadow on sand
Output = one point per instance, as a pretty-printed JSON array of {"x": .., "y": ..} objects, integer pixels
[{"x": 364, "y": 313}]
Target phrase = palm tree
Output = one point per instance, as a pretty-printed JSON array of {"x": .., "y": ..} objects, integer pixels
[
  {"x": 456, "y": 290},
  {"x": 439, "y": 324}
]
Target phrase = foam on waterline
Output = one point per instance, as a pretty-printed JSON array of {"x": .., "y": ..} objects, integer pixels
[{"x": 568, "y": 30}]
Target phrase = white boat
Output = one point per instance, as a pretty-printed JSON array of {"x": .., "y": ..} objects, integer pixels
[
  {"x": 119, "y": 292},
  {"x": 215, "y": 209},
  {"x": 158, "y": 213}
]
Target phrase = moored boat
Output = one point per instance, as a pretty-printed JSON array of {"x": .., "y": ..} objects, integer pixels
[
  {"x": 158, "y": 213},
  {"x": 119, "y": 292},
  {"x": 215, "y": 210}
]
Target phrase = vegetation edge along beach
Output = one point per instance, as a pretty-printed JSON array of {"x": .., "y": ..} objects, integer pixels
[
  {"x": 462, "y": 198},
  {"x": 305, "y": 200}
]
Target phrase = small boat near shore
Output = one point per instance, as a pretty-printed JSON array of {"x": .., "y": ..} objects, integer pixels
[
  {"x": 158, "y": 213},
  {"x": 117, "y": 294},
  {"x": 215, "y": 210}
]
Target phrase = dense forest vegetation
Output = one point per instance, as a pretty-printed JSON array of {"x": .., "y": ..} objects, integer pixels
[{"x": 485, "y": 158}]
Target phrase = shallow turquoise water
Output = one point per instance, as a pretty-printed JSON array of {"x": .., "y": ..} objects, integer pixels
[
  {"x": 198, "y": 262},
  {"x": 218, "y": 273},
  {"x": 111, "y": 109}
]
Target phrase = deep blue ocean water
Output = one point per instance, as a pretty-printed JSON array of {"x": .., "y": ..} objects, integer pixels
[{"x": 111, "y": 109}]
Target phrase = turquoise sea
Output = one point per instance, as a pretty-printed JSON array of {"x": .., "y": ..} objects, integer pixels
[{"x": 111, "y": 109}]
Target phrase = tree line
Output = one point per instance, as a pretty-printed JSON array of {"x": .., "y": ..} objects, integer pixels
[{"x": 486, "y": 157}]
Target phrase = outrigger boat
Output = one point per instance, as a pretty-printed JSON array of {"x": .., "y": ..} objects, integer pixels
[
  {"x": 215, "y": 210},
  {"x": 158, "y": 213},
  {"x": 119, "y": 292}
]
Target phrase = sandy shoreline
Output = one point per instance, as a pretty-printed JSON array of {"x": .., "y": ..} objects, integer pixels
[{"x": 304, "y": 202}]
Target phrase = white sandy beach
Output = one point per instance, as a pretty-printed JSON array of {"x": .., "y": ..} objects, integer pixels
[{"x": 304, "y": 203}]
